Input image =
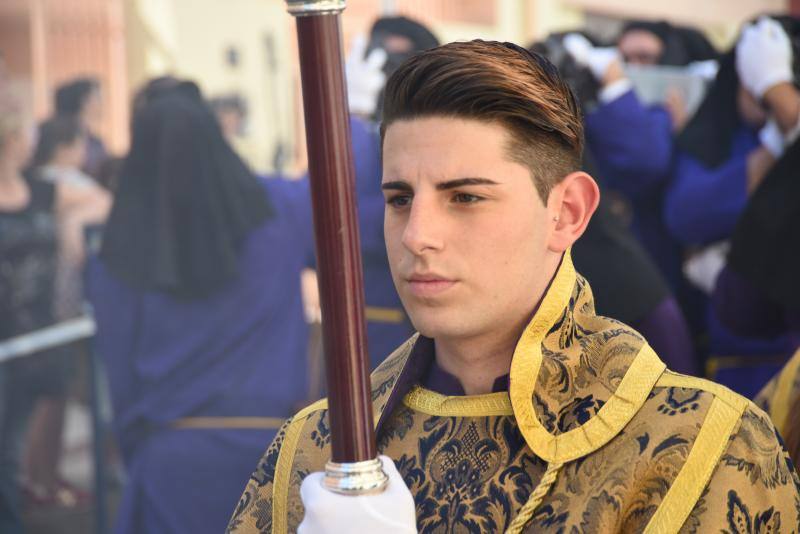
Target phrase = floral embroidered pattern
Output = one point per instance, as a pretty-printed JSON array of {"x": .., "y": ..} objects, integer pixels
[
  {"x": 680, "y": 400},
  {"x": 740, "y": 520}
]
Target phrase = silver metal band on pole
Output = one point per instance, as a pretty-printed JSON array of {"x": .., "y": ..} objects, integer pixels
[
  {"x": 47, "y": 338},
  {"x": 304, "y": 8},
  {"x": 355, "y": 478}
]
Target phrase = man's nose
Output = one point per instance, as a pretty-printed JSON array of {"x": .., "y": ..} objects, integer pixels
[{"x": 423, "y": 228}]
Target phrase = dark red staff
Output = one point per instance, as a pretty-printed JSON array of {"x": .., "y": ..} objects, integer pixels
[{"x": 354, "y": 467}]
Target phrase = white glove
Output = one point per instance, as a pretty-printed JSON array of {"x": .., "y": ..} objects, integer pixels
[
  {"x": 389, "y": 512},
  {"x": 365, "y": 76},
  {"x": 706, "y": 69},
  {"x": 772, "y": 138},
  {"x": 595, "y": 58},
  {"x": 763, "y": 56},
  {"x": 703, "y": 267}
]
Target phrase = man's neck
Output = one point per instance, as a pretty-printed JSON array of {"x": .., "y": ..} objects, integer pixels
[{"x": 478, "y": 361}]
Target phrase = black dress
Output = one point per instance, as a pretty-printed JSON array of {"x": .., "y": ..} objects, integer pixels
[
  {"x": 28, "y": 260},
  {"x": 28, "y": 263}
]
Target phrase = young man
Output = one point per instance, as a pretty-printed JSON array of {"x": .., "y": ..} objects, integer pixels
[{"x": 516, "y": 407}]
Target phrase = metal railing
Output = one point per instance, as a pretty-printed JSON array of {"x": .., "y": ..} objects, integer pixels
[{"x": 80, "y": 329}]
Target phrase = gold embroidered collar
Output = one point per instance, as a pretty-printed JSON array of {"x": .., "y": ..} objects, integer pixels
[{"x": 565, "y": 334}]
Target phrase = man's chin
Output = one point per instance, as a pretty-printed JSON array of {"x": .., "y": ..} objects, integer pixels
[{"x": 438, "y": 325}]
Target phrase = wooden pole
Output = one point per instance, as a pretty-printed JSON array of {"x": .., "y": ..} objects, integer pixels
[{"x": 331, "y": 169}]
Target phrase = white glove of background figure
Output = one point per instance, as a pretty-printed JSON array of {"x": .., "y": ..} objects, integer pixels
[
  {"x": 763, "y": 56},
  {"x": 365, "y": 76},
  {"x": 389, "y": 512},
  {"x": 597, "y": 59},
  {"x": 772, "y": 139}
]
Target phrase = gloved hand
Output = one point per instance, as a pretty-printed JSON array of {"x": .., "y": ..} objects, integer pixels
[
  {"x": 365, "y": 76},
  {"x": 597, "y": 59},
  {"x": 772, "y": 138},
  {"x": 389, "y": 512},
  {"x": 763, "y": 56}
]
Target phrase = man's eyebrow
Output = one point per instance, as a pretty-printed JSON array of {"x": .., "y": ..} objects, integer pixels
[
  {"x": 400, "y": 185},
  {"x": 396, "y": 186},
  {"x": 461, "y": 182}
]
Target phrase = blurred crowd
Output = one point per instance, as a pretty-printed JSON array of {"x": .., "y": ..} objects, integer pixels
[{"x": 199, "y": 273}]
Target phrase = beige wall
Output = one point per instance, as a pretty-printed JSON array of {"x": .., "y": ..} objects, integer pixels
[
  {"x": 48, "y": 42},
  {"x": 191, "y": 38}
]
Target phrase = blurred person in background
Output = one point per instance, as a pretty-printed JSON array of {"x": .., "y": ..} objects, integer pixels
[
  {"x": 81, "y": 99},
  {"x": 60, "y": 151},
  {"x": 395, "y": 39},
  {"x": 757, "y": 294},
  {"x": 231, "y": 112},
  {"x": 781, "y": 399},
  {"x": 643, "y": 42},
  {"x": 633, "y": 142},
  {"x": 751, "y": 112},
  {"x": 196, "y": 293},
  {"x": 370, "y": 61},
  {"x": 31, "y": 211},
  {"x": 627, "y": 285}
]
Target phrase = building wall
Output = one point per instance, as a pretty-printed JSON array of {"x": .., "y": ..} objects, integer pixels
[
  {"x": 47, "y": 42},
  {"x": 239, "y": 46}
]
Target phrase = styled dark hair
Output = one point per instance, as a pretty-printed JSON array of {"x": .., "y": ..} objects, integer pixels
[
  {"x": 71, "y": 96},
  {"x": 496, "y": 82},
  {"x": 53, "y": 133}
]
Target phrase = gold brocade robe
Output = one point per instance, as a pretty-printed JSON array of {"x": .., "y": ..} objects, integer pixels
[
  {"x": 594, "y": 435},
  {"x": 780, "y": 393}
]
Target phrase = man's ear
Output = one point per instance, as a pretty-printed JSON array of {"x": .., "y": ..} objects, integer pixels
[{"x": 571, "y": 205}]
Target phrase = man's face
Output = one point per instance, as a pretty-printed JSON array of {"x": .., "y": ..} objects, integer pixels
[
  {"x": 639, "y": 47},
  {"x": 466, "y": 231}
]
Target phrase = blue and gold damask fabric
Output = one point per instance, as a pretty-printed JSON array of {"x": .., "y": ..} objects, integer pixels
[{"x": 594, "y": 435}]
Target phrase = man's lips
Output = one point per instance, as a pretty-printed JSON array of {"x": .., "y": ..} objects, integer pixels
[{"x": 429, "y": 285}]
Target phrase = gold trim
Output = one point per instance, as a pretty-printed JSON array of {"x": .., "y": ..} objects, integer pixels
[
  {"x": 321, "y": 404},
  {"x": 710, "y": 444},
  {"x": 376, "y": 314},
  {"x": 629, "y": 397},
  {"x": 283, "y": 467},
  {"x": 537, "y": 496},
  {"x": 211, "y": 423},
  {"x": 779, "y": 404},
  {"x": 432, "y": 403}
]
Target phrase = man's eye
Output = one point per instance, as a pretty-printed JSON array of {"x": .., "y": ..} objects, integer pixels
[
  {"x": 399, "y": 201},
  {"x": 466, "y": 198}
]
